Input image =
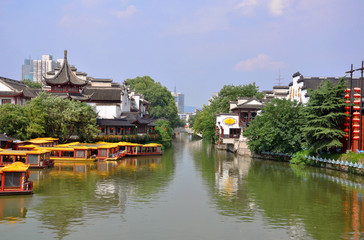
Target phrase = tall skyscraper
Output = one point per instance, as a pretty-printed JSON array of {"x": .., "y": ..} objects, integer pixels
[
  {"x": 35, "y": 70},
  {"x": 179, "y": 99},
  {"x": 27, "y": 69}
]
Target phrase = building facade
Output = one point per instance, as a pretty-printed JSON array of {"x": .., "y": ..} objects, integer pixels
[
  {"x": 179, "y": 99},
  {"x": 35, "y": 70}
]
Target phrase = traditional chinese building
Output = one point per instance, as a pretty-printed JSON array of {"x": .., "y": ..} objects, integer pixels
[{"x": 15, "y": 92}]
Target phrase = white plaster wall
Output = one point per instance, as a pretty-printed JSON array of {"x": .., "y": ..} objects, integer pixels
[
  {"x": 225, "y": 126},
  {"x": 296, "y": 92},
  {"x": 125, "y": 101},
  {"x": 3, "y": 87},
  {"x": 108, "y": 111}
]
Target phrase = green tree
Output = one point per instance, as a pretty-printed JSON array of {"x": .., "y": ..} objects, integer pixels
[
  {"x": 162, "y": 104},
  {"x": 277, "y": 128},
  {"x": 205, "y": 122},
  {"x": 324, "y": 116},
  {"x": 62, "y": 118},
  {"x": 32, "y": 84},
  {"x": 164, "y": 129},
  {"x": 14, "y": 120}
]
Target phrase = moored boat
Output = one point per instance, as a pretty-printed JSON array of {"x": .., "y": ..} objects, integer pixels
[
  {"x": 14, "y": 179},
  {"x": 35, "y": 159}
]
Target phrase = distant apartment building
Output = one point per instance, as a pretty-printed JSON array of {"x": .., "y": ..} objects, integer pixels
[
  {"x": 35, "y": 70},
  {"x": 179, "y": 99}
]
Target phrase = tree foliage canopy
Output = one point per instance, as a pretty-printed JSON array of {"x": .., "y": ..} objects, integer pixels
[
  {"x": 31, "y": 84},
  {"x": 162, "y": 104},
  {"x": 324, "y": 116},
  {"x": 277, "y": 128},
  {"x": 49, "y": 116}
]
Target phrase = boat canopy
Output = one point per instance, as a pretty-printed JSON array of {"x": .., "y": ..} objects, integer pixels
[{"x": 15, "y": 167}]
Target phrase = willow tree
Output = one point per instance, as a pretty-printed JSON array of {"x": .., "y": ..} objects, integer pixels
[{"x": 324, "y": 116}]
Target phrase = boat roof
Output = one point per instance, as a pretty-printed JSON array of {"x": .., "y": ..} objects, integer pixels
[
  {"x": 15, "y": 167},
  {"x": 152, "y": 145}
]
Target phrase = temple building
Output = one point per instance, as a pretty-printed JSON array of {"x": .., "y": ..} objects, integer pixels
[{"x": 120, "y": 110}]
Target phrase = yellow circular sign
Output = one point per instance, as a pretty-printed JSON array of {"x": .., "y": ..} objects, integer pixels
[{"x": 229, "y": 121}]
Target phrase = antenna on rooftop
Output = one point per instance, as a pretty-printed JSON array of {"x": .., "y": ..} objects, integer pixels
[{"x": 279, "y": 78}]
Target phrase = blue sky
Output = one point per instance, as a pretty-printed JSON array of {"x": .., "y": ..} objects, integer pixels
[{"x": 197, "y": 46}]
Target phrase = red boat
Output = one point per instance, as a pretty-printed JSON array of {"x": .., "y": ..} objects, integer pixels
[{"x": 14, "y": 180}]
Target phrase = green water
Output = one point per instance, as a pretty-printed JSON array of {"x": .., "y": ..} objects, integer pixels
[{"x": 191, "y": 192}]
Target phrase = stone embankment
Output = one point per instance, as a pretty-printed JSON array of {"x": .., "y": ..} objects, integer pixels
[{"x": 238, "y": 146}]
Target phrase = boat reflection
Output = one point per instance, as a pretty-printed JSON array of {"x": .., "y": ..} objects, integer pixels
[{"x": 13, "y": 209}]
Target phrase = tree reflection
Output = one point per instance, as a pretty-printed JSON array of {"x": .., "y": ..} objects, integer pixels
[
  {"x": 308, "y": 202},
  {"x": 75, "y": 193}
]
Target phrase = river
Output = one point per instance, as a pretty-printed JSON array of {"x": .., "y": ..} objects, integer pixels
[{"x": 192, "y": 191}]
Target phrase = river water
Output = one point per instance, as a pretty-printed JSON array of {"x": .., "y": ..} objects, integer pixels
[{"x": 193, "y": 191}]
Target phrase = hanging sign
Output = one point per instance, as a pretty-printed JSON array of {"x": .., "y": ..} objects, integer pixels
[{"x": 229, "y": 121}]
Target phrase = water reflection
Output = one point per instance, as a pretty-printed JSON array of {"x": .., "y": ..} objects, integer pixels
[
  {"x": 307, "y": 202},
  {"x": 73, "y": 194}
]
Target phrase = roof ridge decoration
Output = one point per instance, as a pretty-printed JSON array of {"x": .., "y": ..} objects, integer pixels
[{"x": 65, "y": 75}]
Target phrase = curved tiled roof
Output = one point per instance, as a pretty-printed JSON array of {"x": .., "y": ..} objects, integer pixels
[{"x": 65, "y": 75}]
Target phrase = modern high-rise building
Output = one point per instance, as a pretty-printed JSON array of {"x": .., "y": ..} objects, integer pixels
[
  {"x": 179, "y": 99},
  {"x": 27, "y": 70},
  {"x": 35, "y": 70}
]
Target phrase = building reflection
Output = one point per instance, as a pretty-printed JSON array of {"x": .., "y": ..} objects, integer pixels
[{"x": 228, "y": 174}]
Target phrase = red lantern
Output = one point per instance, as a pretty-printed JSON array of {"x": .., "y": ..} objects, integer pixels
[
  {"x": 346, "y": 130},
  {"x": 129, "y": 129},
  {"x": 356, "y": 131},
  {"x": 356, "y": 137},
  {"x": 347, "y": 108},
  {"x": 357, "y": 101},
  {"x": 356, "y": 108},
  {"x": 121, "y": 129},
  {"x": 346, "y": 135},
  {"x": 347, "y": 90},
  {"x": 356, "y": 120},
  {"x": 347, "y": 118},
  {"x": 356, "y": 113},
  {"x": 347, "y": 113},
  {"x": 346, "y": 124},
  {"x": 357, "y": 89},
  {"x": 347, "y": 96},
  {"x": 165, "y": 129},
  {"x": 347, "y": 101},
  {"x": 356, "y": 126},
  {"x": 112, "y": 129},
  {"x": 356, "y": 95}
]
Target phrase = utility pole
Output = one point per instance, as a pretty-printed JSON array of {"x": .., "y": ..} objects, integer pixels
[
  {"x": 279, "y": 78},
  {"x": 361, "y": 102},
  {"x": 351, "y": 100}
]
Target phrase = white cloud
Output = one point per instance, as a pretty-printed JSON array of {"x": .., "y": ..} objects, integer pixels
[
  {"x": 128, "y": 12},
  {"x": 276, "y": 7},
  {"x": 247, "y": 6},
  {"x": 261, "y": 62}
]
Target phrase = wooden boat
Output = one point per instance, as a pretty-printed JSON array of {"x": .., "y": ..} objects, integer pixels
[
  {"x": 71, "y": 153},
  {"x": 14, "y": 179},
  {"x": 35, "y": 159},
  {"x": 151, "y": 149},
  {"x": 38, "y": 142}
]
